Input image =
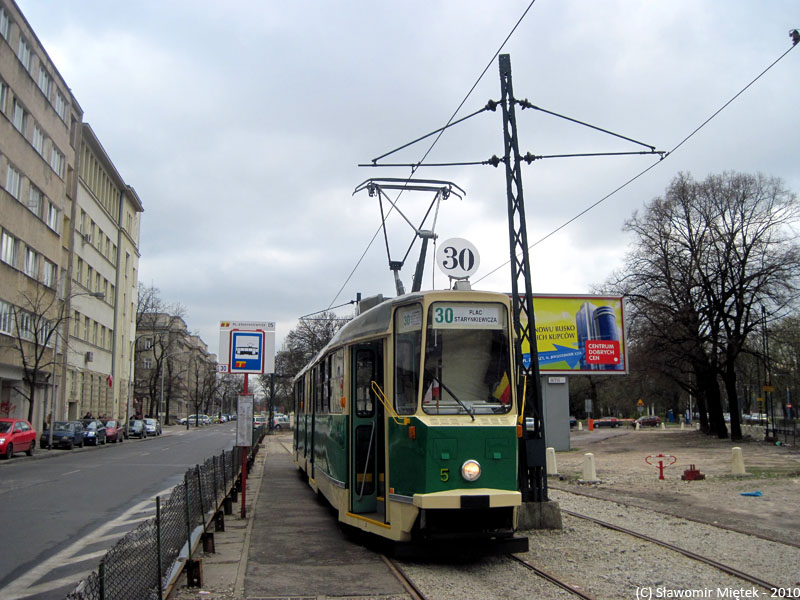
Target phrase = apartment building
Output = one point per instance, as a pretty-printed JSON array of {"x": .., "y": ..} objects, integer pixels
[
  {"x": 174, "y": 370},
  {"x": 104, "y": 281},
  {"x": 39, "y": 136},
  {"x": 70, "y": 236}
]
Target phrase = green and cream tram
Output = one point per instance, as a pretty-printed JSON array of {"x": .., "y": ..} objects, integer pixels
[{"x": 407, "y": 420}]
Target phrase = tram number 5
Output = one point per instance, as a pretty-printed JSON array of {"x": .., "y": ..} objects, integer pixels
[{"x": 445, "y": 474}]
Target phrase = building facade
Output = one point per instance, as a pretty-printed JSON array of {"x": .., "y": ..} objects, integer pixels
[
  {"x": 40, "y": 132},
  {"x": 103, "y": 283},
  {"x": 174, "y": 371},
  {"x": 70, "y": 236}
]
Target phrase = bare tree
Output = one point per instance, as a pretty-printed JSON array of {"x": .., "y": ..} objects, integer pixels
[
  {"x": 709, "y": 257},
  {"x": 35, "y": 327}
]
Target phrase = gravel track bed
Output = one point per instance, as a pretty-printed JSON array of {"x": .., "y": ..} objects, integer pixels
[
  {"x": 770, "y": 561},
  {"x": 613, "y": 565},
  {"x": 482, "y": 579}
]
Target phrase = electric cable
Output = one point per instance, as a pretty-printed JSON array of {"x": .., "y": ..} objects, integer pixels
[
  {"x": 441, "y": 132},
  {"x": 641, "y": 173}
]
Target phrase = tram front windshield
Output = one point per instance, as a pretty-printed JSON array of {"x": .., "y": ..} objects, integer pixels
[{"x": 467, "y": 360}]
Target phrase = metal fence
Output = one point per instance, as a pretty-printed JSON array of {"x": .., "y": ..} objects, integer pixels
[{"x": 144, "y": 562}]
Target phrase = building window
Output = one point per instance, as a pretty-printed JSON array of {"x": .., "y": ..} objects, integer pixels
[
  {"x": 148, "y": 363},
  {"x": 13, "y": 181},
  {"x": 3, "y": 95},
  {"x": 9, "y": 249},
  {"x": 94, "y": 333},
  {"x": 86, "y": 328},
  {"x": 57, "y": 161},
  {"x": 35, "y": 198},
  {"x": 6, "y": 318},
  {"x": 49, "y": 274},
  {"x": 52, "y": 216},
  {"x": 89, "y": 273},
  {"x": 44, "y": 81},
  {"x": 38, "y": 139},
  {"x": 148, "y": 343},
  {"x": 18, "y": 117},
  {"x": 76, "y": 326},
  {"x": 5, "y": 24},
  {"x": 78, "y": 274},
  {"x": 61, "y": 106},
  {"x": 24, "y": 53},
  {"x": 31, "y": 263}
]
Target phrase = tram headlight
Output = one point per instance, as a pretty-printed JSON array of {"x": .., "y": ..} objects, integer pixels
[{"x": 471, "y": 470}]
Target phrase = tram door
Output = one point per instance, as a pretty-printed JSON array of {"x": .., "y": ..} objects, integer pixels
[{"x": 367, "y": 429}]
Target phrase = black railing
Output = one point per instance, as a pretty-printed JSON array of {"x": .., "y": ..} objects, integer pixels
[{"x": 146, "y": 561}]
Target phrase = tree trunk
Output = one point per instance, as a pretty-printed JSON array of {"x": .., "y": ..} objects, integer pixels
[{"x": 729, "y": 378}]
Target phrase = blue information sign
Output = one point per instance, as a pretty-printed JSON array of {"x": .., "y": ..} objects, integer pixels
[{"x": 247, "y": 352}]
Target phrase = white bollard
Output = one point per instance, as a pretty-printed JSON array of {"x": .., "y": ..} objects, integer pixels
[
  {"x": 663, "y": 426},
  {"x": 589, "y": 472},
  {"x": 737, "y": 462},
  {"x": 552, "y": 468},
  {"x": 697, "y": 426},
  {"x": 682, "y": 427},
  {"x": 638, "y": 426},
  {"x": 580, "y": 426}
]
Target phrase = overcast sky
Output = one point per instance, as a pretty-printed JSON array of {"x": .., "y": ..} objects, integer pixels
[{"x": 241, "y": 125}]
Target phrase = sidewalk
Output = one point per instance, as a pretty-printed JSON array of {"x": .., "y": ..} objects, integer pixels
[{"x": 288, "y": 546}]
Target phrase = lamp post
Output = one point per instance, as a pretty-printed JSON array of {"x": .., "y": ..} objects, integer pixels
[{"x": 52, "y": 407}]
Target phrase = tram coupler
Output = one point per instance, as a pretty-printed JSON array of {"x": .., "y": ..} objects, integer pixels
[
  {"x": 219, "y": 521},
  {"x": 194, "y": 573},
  {"x": 692, "y": 474},
  {"x": 208, "y": 542},
  {"x": 227, "y": 504}
]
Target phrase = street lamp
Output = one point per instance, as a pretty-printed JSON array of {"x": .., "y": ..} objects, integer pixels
[{"x": 52, "y": 408}]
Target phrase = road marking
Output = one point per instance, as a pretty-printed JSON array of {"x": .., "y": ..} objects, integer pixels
[
  {"x": 71, "y": 472},
  {"x": 28, "y": 584}
]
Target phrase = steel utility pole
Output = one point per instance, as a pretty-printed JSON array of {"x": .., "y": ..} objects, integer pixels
[{"x": 532, "y": 453}]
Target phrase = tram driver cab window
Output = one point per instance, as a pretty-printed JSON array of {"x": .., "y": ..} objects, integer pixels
[{"x": 467, "y": 360}]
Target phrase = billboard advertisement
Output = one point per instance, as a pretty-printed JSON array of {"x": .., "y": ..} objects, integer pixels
[{"x": 579, "y": 335}]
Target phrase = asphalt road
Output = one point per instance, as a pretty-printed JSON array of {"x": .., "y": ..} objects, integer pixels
[{"x": 59, "y": 515}]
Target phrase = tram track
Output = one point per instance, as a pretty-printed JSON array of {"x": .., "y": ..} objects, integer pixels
[
  {"x": 717, "y": 525},
  {"x": 577, "y": 591},
  {"x": 688, "y": 553}
]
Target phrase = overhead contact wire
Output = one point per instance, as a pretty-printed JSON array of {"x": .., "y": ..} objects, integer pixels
[
  {"x": 637, "y": 176},
  {"x": 449, "y": 122}
]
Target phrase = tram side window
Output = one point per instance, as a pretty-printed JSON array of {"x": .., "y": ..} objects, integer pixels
[
  {"x": 298, "y": 396},
  {"x": 316, "y": 392},
  {"x": 365, "y": 375},
  {"x": 407, "y": 347},
  {"x": 337, "y": 381}
]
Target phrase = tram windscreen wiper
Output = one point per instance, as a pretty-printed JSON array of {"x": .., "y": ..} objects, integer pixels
[{"x": 449, "y": 391}]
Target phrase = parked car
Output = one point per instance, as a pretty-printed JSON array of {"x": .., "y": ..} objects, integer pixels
[
  {"x": 259, "y": 420},
  {"x": 573, "y": 422},
  {"x": 606, "y": 422},
  {"x": 136, "y": 428},
  {"x": 66, "y": 434},
  {"x": 280, "y": 422},
  {"x": 94, "y": 431},
  {"x": 153, "y": 426},
  {"x": 16, "y": 435},
  {"x": 647, "y": 421},
  {"x": 114, "y": 431}
]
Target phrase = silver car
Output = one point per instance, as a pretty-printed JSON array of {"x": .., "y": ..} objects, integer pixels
[{"x": 153, "y": 426}]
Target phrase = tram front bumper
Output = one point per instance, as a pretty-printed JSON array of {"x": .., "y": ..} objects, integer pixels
[{"x": 474, "y": 498}]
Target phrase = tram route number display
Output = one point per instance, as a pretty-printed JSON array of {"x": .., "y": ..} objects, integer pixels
[
  {"x": 458, "y": 258},
  {"x": 466, "y": 316}
]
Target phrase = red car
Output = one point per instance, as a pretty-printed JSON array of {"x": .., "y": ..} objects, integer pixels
[
  {"x": 114, "y": 432},
  {"x": 16, "y": 435}
]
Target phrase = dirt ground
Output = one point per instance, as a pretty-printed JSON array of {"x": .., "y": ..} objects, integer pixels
[{"x": 624, "y": 476}]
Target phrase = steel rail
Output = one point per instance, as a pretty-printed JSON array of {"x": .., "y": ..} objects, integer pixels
[
  {"x": 688, "y": 553},
  {"x": 731, "y": 528},
  {"x": 553, "y": 579},
  {"x": 404, "y": 580}
]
